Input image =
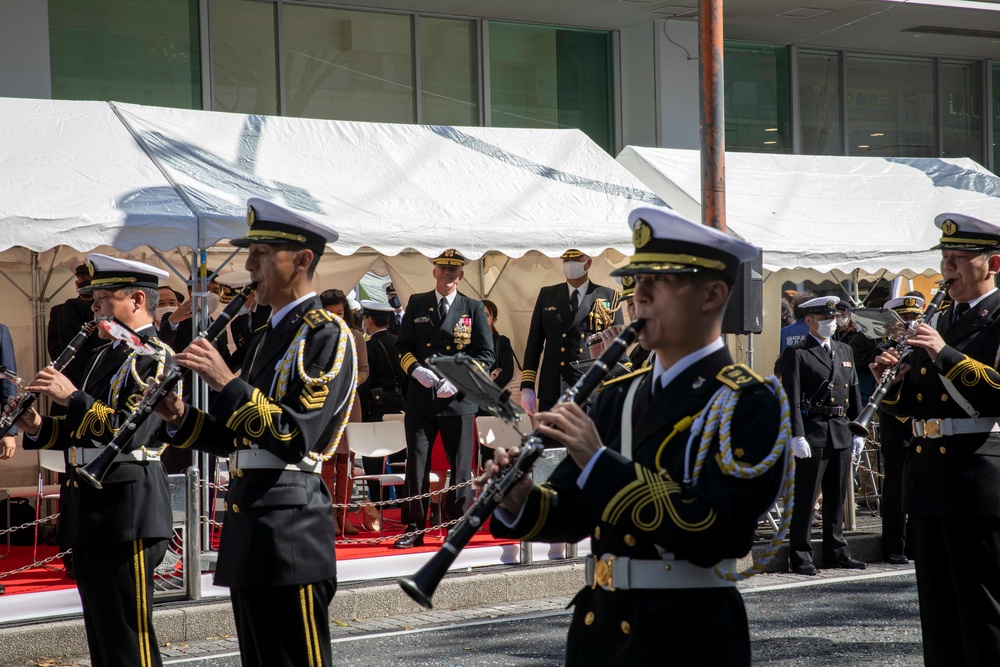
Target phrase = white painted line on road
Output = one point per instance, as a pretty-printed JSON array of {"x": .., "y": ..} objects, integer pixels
[
  {"x": 821, "y": 582},
  {"x": 393, "y": 633}
]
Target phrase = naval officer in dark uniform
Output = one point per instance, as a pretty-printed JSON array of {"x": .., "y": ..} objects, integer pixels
[
  {"x": 564, "y": 316},
  {"x": 443, "y": 321},
  {"x": 120, "y": 533},
  {"x": 950, "y": 389},
  {"x": 277, "y": 422},
  {"x": 822, "y": 384},
  {"x": 660, "y": 528}
]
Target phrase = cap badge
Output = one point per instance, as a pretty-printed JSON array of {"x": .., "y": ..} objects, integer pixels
[
  {"x": 628, "y": 281},
  {"x": 250, "y": 216},
  {"x": 831, "y": 304},
  {"x": 642, "y": 233},
  {"x": 448, "y": 253},
  {"x": 949, "y": 227},
  {"x": 910, "y": 302},
  {"x": 91, "y": 269}
]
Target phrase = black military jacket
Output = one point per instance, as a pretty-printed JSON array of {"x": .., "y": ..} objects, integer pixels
[
  {"x": 809, "y": 374},
  {"x": 631, "y": 507},
  {"x": 245, "y": 328},
  {"x": 135, "y": 500},
  {"x": 279, "y": 525},
  {"x": 956, "y": 475},
  {"x": 562, "y": 334},
  {"x": 423, "y": 334}
]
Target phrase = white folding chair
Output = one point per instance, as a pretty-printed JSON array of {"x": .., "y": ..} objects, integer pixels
[
  {"x": 493, "y": 432},
  {"x": 379, "y": 439},
  {"x": 39, "y": 491}
]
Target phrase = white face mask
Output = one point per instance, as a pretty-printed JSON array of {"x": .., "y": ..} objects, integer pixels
[
  {"x": 212, "y": 302},
  {"x": 574, "y": 270},
  {"x": 826, "y": 328},
  {"x": 842, "y": 320},
  {"x": 163, "y": 311}
]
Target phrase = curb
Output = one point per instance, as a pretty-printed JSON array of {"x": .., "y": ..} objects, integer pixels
[{"x": 185, "y": 622}]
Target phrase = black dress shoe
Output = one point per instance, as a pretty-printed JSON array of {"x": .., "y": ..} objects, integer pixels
[
  {"x": 2, "y": 589},
  {"x": 897, "y": 559},
  {"x": 850, "y": 564},
  {"x": 807, "y": 569},
  {"x": 409, "y": 541}
]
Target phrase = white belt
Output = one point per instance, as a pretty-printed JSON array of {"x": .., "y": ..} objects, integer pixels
[
  {"x": 248, "y": 459},
  {"x": 622, "y": 573},
  {"x": 937, "y": 428},
  {"x": 81, "y": 456}
]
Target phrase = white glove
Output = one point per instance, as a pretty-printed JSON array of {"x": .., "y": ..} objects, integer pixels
[
  {"x": 445, "y": 390},
  {"x": 858, "y": 443},
  {"x": 801, "y": 448},
  {"x": 528, "y": 400},
  {"x": 425, "y": 376}
]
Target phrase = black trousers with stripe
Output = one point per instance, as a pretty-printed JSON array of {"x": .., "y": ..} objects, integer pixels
[
  {"x": 116, "y": 588},
  {"x": 285, "y": 626}
]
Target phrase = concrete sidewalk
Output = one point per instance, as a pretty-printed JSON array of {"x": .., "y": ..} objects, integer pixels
[{"x": 28, "y": 643}]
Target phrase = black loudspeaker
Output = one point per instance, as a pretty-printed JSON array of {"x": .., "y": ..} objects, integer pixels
[{"x": 745, "y": 310}]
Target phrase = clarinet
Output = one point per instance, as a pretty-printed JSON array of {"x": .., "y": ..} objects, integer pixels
[
  {"x": 95, "y": 471},
  {"x": 861, "y": 426},
  {"x": 421, "y": 585},
  {"x": 28, "y": 398}
]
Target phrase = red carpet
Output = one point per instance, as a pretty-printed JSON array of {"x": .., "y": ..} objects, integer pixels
[
  {"x": 36, "y": 579},
  {"x": 42, "y": 579}
]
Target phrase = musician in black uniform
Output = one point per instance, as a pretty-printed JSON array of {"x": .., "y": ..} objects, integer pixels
[
  {"x": 638, "y": 355},
  {"x": 120, "y": 533},
  {"x": 564, "y": 315},
  {"x": 276, "y": 421},
  {"x": 950, "y": 389},
  {"x": 658, "y": 528},
  {"x": 895, "y": 436},
  {"x": 397, "y": 308},
  {"x": 385, "y": 384},
  {"x": 822, "y": 385},
  {"x": 443, "y": 321}
]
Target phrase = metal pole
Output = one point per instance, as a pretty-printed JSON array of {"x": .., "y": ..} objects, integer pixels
[
  {"x": 713, "y": 137},
  {"x": 192, "y": 542}
]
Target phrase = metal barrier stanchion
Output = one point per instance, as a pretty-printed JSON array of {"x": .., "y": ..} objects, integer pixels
[{"x": 192, "y": 530}]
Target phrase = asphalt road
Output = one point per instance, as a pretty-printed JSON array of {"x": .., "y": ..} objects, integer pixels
[{"x": 837, "y": 620}]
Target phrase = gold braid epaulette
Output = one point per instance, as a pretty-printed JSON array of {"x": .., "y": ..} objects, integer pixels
[
  {"x": 318, "y": 317},
  {"x": 738, "y": 376}
]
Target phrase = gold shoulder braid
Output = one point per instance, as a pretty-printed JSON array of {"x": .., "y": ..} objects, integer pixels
[
  {"x": 716, "y": 419},
  {"x": 602, "y": 313},
  {"x": 315, "y": 391}
]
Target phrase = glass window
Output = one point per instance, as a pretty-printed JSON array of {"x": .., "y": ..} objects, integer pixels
[
  {"x": 139, "y": 51},
  {"x": 449, "y": 92},
  {"x": 757, "y": 98},
  {"x": 820, "y": 103},
  {"x": 962, "y": 109},
  {"x": 995, "y": 106},
  {"x": 348, "y": 65},
  {"x": 552, "y": 78},
  {"x": 890, "y": 107},
  {"x": 243, "y": 57}
]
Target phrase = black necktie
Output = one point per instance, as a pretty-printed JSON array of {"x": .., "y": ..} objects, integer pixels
[
  {"x": 829, "y": 348},
  {"x": 399, "y": 319},
  {"x": 256, "y": 353},
  {"x": 574, "y": 300},
  {"x": 443, "y": 308},
  {"x": 959, "y": 311}
]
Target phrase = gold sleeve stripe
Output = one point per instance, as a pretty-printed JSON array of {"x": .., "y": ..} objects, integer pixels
[
  {"x": 55, "y": 423},
  {"x": 313, "y": 398},
  {"x": 96, "y": 421},
  {"x": 407, "y": 361},
  {"x": 970, "y": 372},
  {"x": 648, "y": 501},
  {"x": 528, "y": 376},
  {"x": 543, "y": 514},
  {"x": 199, "y": 421}
]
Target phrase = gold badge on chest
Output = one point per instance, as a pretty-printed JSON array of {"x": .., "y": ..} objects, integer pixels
[{"x": 463, "y": 332}]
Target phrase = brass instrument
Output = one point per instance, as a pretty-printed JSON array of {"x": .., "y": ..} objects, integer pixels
[
  {"x": 861, "y": 425},
  {"x": 421, "y": 585},
  {"x": 28, "y": 398},
  {"x": 94, "y": 472}
]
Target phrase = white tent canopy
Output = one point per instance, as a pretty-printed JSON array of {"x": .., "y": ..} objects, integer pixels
[
  {"x": 82, "y": 176},
  {"x": 829, "y": 213}
]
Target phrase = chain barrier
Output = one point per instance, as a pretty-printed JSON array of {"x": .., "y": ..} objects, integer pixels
[
  {"x": 29, "y": 524},
  {"x": 37, "y": 563}
]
